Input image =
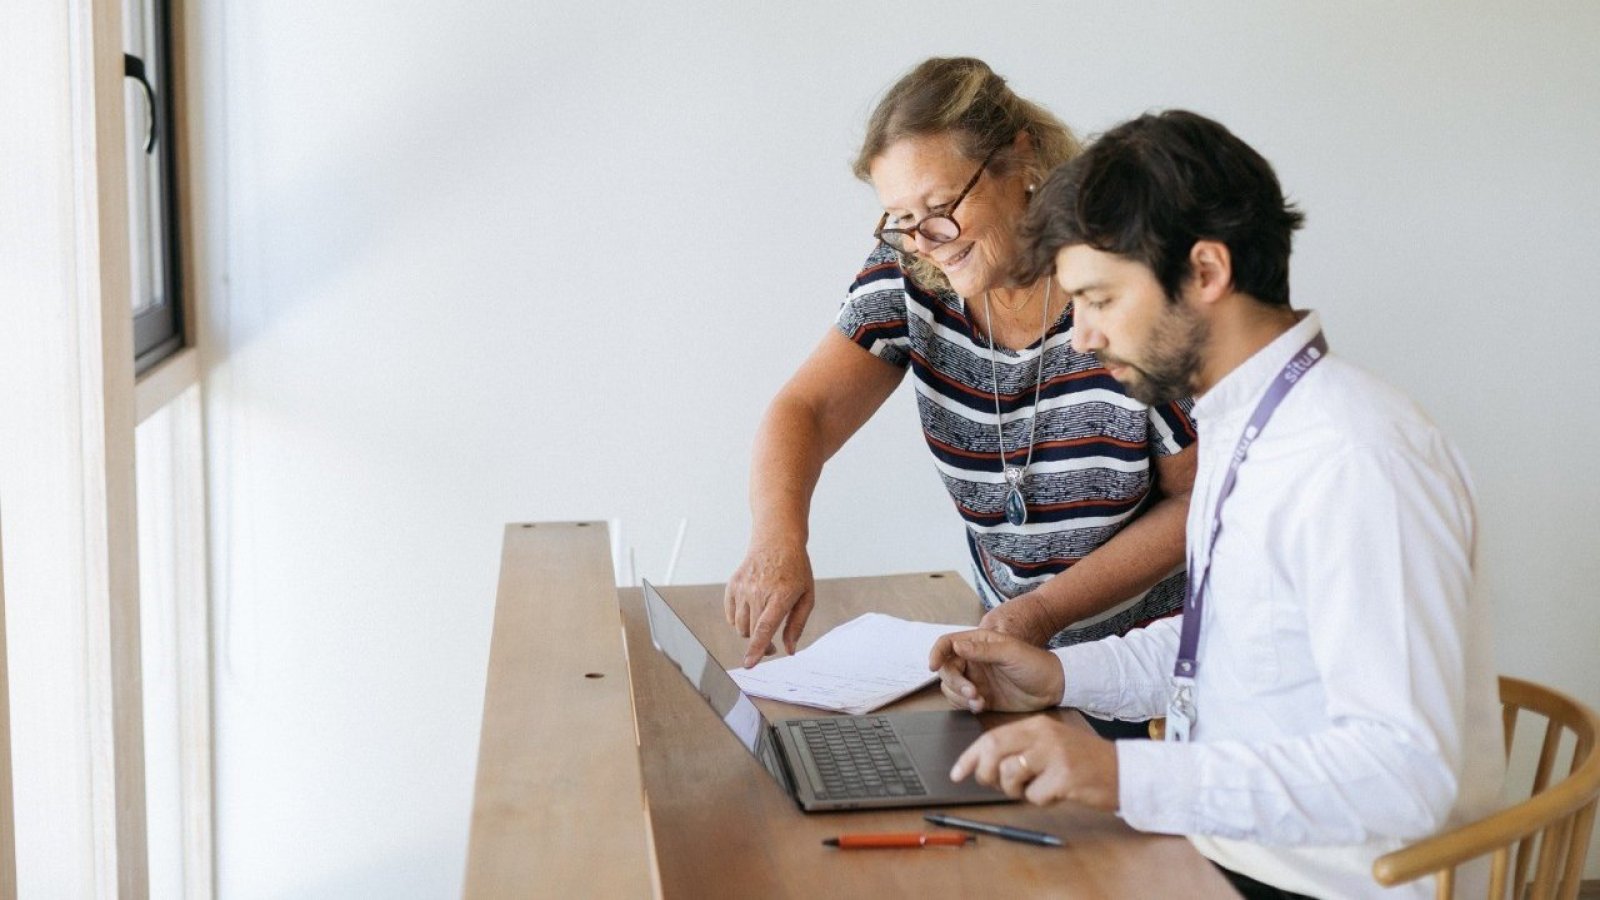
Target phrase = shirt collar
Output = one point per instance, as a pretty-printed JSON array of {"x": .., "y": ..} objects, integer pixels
[{"x": 1245, "y": 383}]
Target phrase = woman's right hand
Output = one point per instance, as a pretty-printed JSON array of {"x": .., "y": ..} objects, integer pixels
[
  {"x": 836, "y": 390},
  {"x": 772, "y": 585}
]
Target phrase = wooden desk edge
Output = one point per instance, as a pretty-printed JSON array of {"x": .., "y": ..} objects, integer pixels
[{"x": 553, "y": 815}]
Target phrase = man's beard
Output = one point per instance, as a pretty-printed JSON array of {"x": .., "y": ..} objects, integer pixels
[{"x": 1171, "y": 358}]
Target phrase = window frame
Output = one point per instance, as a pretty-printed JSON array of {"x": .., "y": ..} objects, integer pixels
[{"x": 158, "y": 331}]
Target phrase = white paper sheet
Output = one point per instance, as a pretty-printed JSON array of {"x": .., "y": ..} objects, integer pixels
[{"x": 866, "y": 663}]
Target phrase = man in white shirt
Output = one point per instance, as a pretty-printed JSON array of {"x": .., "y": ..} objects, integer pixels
[{"x": 1329, "y": 687}]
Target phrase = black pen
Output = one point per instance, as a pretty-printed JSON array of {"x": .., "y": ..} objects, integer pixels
[{"x": 999, "y": 831}]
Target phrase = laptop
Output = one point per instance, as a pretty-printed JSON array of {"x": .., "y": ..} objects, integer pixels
[{"x": 830, "y": 762}]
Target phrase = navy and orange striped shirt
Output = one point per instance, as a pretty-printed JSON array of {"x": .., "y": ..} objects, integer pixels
[{"x": 1090, "y": 473}]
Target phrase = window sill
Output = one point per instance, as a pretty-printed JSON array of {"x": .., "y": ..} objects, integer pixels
[{"x": 162, "y": 384}]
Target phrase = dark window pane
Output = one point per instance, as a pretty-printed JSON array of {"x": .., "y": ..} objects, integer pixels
[{"x": 152, "y": 179}]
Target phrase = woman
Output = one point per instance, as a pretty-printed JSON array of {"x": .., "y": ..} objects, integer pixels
[{"x": 1073, "y": 494}]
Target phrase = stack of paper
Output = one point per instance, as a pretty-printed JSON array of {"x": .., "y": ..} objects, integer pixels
[{"x": 863, "y": 664}]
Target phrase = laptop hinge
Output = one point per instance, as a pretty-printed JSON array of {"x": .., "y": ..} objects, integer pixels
[{"x": 773, "y": 758}]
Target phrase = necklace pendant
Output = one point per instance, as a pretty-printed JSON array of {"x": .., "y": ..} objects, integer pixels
[{"x": 1016, "y": 507}]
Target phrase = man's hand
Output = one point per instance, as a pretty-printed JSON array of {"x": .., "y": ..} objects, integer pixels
[
  {"x": 772, "y": 584},
  {"x": 1045, "y": 761},
  {"x": 1024, "y": 617},
  {"x": 985, "y": 670}
]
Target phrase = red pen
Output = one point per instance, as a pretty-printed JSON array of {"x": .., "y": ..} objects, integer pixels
[{"x": 890, "y": 841}]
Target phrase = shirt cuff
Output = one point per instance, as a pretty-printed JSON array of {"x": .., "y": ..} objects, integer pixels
[
  {"x": 1090, "y": 677},
  {"x": 1158, "y": 785}
]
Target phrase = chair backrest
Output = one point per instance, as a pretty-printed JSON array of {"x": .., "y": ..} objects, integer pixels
[{"x": 1537, "y": 846}]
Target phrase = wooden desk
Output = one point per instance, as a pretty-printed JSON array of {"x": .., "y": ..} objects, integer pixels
[
  {"x": 586, "y": 788},
  {"x": 558, "y": 810},
  {"x": 722, "y": 828}
]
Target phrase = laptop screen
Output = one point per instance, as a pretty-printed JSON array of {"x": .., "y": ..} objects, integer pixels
[{"x": 733, "y": 706}]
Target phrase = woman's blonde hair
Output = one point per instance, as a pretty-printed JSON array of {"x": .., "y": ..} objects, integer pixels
[{"x": 963, "y": 98}]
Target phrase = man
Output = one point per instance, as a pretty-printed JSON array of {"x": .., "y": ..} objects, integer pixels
[{"x": 1328, "y": 688}]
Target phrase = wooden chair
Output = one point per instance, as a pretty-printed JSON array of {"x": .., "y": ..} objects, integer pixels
[{"x": 1556, "y": 820}]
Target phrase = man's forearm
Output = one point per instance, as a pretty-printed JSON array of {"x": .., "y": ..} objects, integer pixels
[{"x": 1126, "y": 677}]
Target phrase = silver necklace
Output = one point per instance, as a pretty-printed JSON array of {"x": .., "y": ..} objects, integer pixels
[{"x": 1016, "y": 476}]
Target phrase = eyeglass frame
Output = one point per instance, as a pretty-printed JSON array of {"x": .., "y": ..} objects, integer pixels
[{"x": 948, "y": 212}]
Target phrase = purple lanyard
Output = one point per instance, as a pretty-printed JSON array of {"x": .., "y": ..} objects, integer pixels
[{"x": 1287, "y": 378}]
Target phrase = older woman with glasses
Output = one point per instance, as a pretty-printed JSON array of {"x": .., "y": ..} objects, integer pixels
[{"x": 1073, "y": 494}]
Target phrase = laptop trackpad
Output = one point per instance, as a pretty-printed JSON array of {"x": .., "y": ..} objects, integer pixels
[{"x": 935, "y": 740}]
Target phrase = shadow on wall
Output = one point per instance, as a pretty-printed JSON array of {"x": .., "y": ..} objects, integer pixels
[{"x": 298, "y": 211}]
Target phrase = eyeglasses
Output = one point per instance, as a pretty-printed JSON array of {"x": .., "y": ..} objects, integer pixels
[{"x": 938, "y": 227}]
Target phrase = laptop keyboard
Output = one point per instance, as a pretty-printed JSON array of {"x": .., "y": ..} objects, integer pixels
[{"x": 859, "y": 757}]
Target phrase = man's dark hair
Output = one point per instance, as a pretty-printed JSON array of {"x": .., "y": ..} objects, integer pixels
[{"x": 1150, "y": 188}]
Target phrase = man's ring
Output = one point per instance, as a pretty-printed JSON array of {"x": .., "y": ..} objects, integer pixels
[{"x": 1023, "y": 762}]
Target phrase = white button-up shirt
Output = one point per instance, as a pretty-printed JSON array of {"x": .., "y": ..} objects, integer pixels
[{"x": 1346, "y": 698}]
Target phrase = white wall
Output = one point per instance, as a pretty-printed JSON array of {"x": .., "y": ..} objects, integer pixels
[{"x": 490, "y": 260}]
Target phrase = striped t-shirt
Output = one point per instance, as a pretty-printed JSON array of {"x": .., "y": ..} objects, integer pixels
[{"x": 1090, "y": 473}]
